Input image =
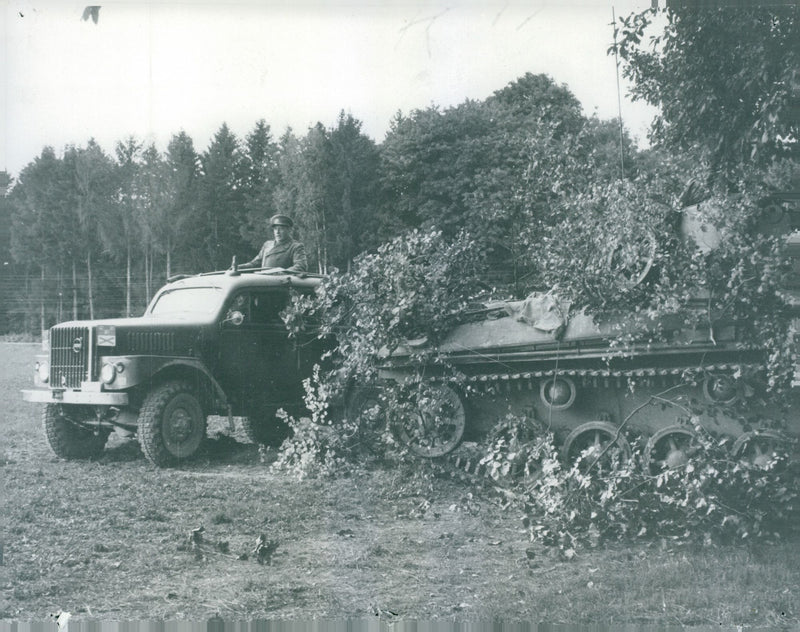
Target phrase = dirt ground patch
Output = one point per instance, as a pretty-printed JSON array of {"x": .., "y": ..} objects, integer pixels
[{"x": 117, "y": 539}]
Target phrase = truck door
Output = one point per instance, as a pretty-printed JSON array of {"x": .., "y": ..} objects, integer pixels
[{"x": 258, "y": 361}]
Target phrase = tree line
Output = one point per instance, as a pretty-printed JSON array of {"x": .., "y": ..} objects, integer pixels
[
  {"x": 524, "y": 171},
  {"x": 88, "y": 234}
]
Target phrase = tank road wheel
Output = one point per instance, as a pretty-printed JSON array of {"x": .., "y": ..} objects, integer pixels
[
  {"x": 760, "y": 447},
  {"x": 558, "y": 393},
  {"x": 436, "y": 425},
  {"x": 669, "y": 448},
  {"x": 67, "y": 437},
  {"x": 597, "y": 442},
  {"x": 264, "y": 427},
  {"x": 720, "y": 389},
  {"x": 172, "y": 424}
]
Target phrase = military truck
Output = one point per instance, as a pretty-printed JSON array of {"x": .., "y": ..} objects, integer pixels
[{"x": 207, "y": 344}]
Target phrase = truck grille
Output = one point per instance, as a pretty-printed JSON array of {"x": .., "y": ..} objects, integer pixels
[
  {"x": 150, "y": 342},
  {"x": 69, "y": 353}
]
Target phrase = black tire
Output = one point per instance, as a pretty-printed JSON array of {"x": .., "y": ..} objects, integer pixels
[
  {"x": 365, "y": 417},
  {"x": 172, "y": 424},
  {"x": 67, "y": 438},
  {"x": 364, "y": 406},
  {"x": 264, "y": 427}
]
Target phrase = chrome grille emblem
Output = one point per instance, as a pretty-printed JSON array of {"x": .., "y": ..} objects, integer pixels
[{"x": 77, "y": 344}]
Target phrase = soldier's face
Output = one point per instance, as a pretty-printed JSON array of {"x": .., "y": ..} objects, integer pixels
[{"x": 281, "y": 234}]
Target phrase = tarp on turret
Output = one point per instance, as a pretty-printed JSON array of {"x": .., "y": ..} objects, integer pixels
[{"x": 545, "y": 312}]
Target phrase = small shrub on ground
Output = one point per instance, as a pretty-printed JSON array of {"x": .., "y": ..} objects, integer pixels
[
  {"x": 316, "y": 444},
  {"x": 311, "y": 450},
  {"x": 512, "y": 449}
]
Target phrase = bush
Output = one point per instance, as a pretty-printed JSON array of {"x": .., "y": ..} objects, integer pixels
[
  {"x": 618, "y": 252},
  {"x": 417, "y": 286},
  {"x": 711, "y": 498},
  {"x": 413, "y": 287}
]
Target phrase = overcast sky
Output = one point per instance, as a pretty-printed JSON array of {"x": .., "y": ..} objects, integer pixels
[{"x": 152, "y": 69}]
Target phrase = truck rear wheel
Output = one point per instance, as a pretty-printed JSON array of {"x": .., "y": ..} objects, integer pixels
[
  {"x": 264, "y": 427},
  {"x": 365, "y": 410},
  {"x": 67, "y": 437},
  {"x": 172, "y": 424}
]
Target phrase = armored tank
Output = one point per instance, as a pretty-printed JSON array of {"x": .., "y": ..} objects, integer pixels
[{"x": 594, "y": 382}]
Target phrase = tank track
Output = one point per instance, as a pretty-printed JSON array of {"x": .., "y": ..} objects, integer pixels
[
  {"x": 652, "y": 396},
  {"x": 598, "y": 377},
  {"x": 469, "y": 460},
  {"x": 469, "y": 463}
]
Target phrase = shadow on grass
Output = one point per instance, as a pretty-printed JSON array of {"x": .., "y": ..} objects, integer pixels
[
  {"x": 219, "y": 449},
  {"x": 121, "y": 452},
  {"x": 222, "y": 449}
]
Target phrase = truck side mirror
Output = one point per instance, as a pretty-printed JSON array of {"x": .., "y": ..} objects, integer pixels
[{"x": 235, "y": 317}]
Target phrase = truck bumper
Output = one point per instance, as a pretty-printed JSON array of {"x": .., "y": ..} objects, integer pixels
[{"x": 48, "y": 396}]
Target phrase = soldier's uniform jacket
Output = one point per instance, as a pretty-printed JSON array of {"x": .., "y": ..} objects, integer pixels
[{"x": 290, "y": 255}]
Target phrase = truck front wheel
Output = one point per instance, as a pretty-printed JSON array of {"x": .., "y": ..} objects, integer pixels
[
  {"x": 67, "y": 435},
  {"x": 172, "y": 424}
]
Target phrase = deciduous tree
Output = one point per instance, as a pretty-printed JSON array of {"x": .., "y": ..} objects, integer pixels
[{"x": 726, "y": 80}]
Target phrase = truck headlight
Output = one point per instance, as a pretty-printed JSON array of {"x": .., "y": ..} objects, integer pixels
[
  {"x": 43, "y": 371},
  {"x": 108, "y": 373}
]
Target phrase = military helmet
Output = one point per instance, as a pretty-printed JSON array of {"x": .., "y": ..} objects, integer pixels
[{"x": 281, "y": 220}]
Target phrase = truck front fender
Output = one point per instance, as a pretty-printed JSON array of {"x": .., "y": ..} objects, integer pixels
[{"x": 133, "y": 371}]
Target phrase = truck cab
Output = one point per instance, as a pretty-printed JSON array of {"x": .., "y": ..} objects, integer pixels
[{"x": 207, "y": 344}]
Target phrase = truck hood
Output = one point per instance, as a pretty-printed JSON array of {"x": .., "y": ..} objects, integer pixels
[
  {"x": 142, "y": 321},
  {"x": 145, "y": 335}
]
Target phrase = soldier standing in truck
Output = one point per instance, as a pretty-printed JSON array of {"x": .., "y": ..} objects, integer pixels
[{"x": 282, "y": 251}]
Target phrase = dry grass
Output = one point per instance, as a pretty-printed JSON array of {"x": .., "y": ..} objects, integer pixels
[{"x": 111, "y": 540}]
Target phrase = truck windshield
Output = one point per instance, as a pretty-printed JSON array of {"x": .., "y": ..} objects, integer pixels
[{"x": 188, "y": 301}]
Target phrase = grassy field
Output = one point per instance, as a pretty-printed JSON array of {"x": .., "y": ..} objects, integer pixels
[{"x": 113, "y": 539}]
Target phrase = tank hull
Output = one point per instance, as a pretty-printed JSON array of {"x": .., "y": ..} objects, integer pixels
[{"x": 580, "y": 376}]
